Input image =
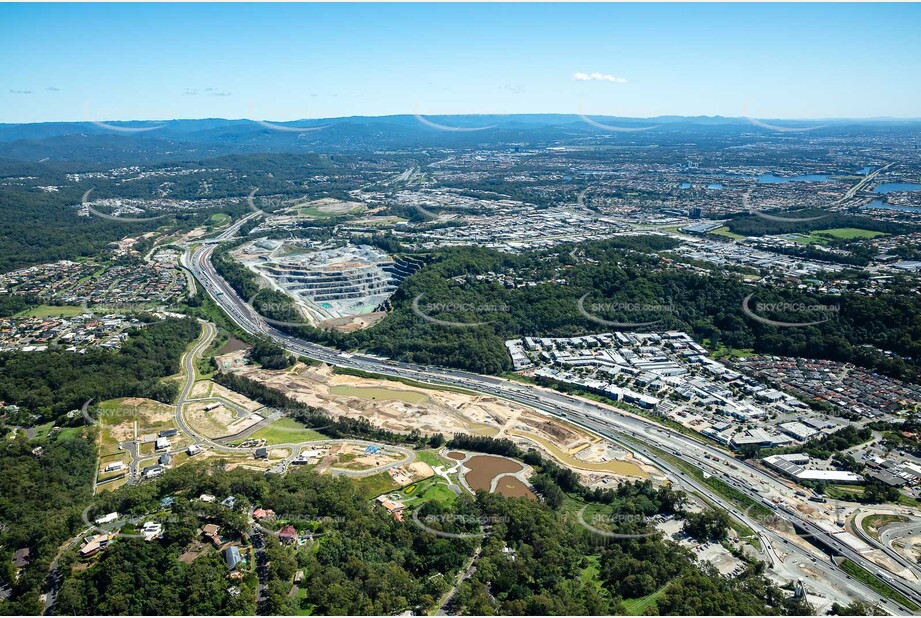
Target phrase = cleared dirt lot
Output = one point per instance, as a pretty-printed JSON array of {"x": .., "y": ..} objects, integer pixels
[
  {"x": 218, "y": 422},
  {"x": 403, "y": 408}
]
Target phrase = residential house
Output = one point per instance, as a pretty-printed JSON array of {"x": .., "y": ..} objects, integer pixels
[
  {"x": 287, "y": 535},
  {"x": 260, "y": 514},
  {"x": 210, "y": 532},
  {"x": 92, "y": 545},
  {"x": 21, "y": 558},
  {"x": 232, "y": 557}
]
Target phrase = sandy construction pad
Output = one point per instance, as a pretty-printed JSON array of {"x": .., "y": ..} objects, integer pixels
[
  {"x": 218, "y": 422},
  {"x": 404, "y": 408}
]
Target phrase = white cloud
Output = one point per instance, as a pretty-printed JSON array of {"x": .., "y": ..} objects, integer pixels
[
  {"x": 598, "y": 77},
  {"x": 213, "y": 92}
]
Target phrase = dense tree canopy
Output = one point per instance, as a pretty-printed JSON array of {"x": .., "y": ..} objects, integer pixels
[{"x": 54, "y": 382}]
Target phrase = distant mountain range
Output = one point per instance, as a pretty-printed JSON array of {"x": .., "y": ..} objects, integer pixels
[{"x": 153, "y": 141}]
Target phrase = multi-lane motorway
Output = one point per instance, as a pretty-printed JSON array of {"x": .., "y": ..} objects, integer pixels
[{"x": 631, "y": 431}]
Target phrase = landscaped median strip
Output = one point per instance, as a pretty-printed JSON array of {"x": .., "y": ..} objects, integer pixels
[{"x": 877, "y": 584}]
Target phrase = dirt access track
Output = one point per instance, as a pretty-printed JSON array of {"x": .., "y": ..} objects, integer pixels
[{"x": 398, "y": 407}]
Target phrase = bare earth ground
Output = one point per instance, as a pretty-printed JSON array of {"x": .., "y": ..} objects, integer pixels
[
  {"x": 416, "y": 471},
  {"x": 356, "y": 322},
  {"x": 354, "y": 457},
  {"x": 450, "y": 413},
  {"x": 210, "y": 389},
  {"x": 119, "y": 417},
  {"x": 219, "y": 422}
]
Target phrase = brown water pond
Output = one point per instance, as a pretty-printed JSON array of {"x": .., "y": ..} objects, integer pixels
[
  {"x": 484, "y": 468},
  {"x": 513, "y": 488}
]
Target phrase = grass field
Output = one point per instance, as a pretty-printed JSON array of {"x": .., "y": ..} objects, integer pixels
[
  {"x": 872, "y": 523},
  {"x": 375, "y": 485},
  {"x": 286, "y": 430},
  {"x": 431, "y": 458},
  {"x": 299, "y": 599},
  {"x": 724, "y": 352},
  {"x": 49, "y": 311},
  {"x": 431, "y": 490},
  {"x": 375, "y": 393},
  {"x": 849, "y": 232},
  {"x": 316, "y": 213},
  {"x": 70, "y": 432},
  {"x": 638, "y": 607},
  {"x": 821, "y": 237},
  {"x": 844, "y": 492},
  {"x": 42, "y": 430},
  {"x": 724, "y": 231},
  {"x": 219, "y": 218},
  {"x": 377, "y": 376},
  {"x": 589, "y": 574}
]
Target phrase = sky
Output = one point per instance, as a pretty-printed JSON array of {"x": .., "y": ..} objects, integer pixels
[{"x": 98, "y": 62}]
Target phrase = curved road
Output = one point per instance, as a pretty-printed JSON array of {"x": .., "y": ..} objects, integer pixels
[{"x": 209, "y": 332}]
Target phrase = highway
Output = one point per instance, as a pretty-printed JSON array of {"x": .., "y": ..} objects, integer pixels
[
  {"x": 884, "y": 544},
  {"x": 863, "y": 183},
  {"x": 606, "y": 421}
]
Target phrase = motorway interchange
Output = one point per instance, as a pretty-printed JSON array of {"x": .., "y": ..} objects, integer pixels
[{"x": 789, "y": 559}]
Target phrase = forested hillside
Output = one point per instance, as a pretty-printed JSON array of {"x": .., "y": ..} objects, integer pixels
[
  {"x": 42, "y": 494},
  {"x": 52, "y": 383},
  {"x": 616, "y": 274},
  {"x": 533, "y": 561}
]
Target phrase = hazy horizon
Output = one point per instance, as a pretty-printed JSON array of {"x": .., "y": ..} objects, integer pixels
[{"x": 741, "y": 119}]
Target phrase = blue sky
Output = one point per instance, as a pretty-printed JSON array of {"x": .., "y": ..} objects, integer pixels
[{"x": 284, "y": 62}]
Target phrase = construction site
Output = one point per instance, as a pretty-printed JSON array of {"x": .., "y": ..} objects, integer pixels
[{"x": 404, "y": 408}]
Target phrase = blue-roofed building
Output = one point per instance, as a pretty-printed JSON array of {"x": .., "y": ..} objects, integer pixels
[
  {"x": 232, "y": 557},
  {"x": 167, "y": 502}
]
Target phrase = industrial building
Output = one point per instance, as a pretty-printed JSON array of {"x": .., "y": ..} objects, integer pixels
[{"x": 794, "y": 467}]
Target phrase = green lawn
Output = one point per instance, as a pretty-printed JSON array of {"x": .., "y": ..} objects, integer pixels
[
  {"x": 48, "y": 311},
  {"x": 316, "y": 213},
  {"x": 219, "y": 218},
  {"x": 821, "y": 237},
  {"x": 724, "y": 231},
  {"x": 68, "y": 433},
  {"x": 844, "y": 492},
  {"x": 849, "y": 232},
  {"x": 375, "y": 485},
  {"x": 42, "y": 430},
  {"x": 286, "y": 430},
  {"x": 872, "y": 523},
  {"x": 433, "y": 489},
  {"x": 589, "y": 574},
  {"x": 638, "y": 607},
  {"x": 301, "y": 596},
  {"x": 377, "y": 376},
  {"x": 724, "y": 352},
  {"x": 431, "y": 458}
]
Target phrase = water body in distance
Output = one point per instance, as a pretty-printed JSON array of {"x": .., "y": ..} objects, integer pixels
[
  {"x": 881, "y": 205},
  {"x": 893, "y": 187},
  {"x": 771, "y": 179}
]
